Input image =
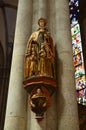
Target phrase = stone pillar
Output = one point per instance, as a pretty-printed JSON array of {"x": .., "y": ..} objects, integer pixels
[
  {"x": 66, "y": 97},
  {"x": 51, "y": 114},
  {"x": 39, "y": 10},
  {"x": 16, "y": 104}
]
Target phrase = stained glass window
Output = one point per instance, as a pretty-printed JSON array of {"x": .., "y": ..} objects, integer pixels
[{"x": 78, "y": 61}]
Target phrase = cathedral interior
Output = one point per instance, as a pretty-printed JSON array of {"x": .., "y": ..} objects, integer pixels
[{"x": 8, "y": 14}]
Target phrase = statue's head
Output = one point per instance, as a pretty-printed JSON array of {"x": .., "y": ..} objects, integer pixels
[{"x": 42, "y": 22}]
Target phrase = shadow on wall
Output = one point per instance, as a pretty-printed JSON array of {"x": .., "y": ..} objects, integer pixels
[
  {"x": 60, "y": 99},
  {"x": 1, "y": 87}
]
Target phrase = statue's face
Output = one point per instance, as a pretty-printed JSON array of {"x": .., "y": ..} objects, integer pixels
[
  {"x": 38, "y": 90},
  {"x": 41, "y": 23}
]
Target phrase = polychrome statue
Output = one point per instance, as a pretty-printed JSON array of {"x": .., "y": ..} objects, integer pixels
[{"x": 39, "y": 69}]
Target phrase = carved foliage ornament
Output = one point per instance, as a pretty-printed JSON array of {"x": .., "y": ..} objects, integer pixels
[{"x": 39, "y": 69}]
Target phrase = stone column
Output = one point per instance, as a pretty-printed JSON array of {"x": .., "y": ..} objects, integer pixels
[
  {"x": 39, "y": 10},
  {"x": 51, "y": 114},
  {"x": 16, "y": 104},
  {"x": 66, "y": 97}
]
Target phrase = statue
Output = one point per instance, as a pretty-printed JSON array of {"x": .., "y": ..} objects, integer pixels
[
  {"x": 39, "y": 69},
  {"x": 39, "y": 58}
]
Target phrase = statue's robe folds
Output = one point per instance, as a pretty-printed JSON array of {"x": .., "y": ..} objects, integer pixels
[{"x": 39, "y": 56}]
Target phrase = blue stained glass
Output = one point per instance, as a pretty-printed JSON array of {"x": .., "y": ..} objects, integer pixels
[{"x": 80, "y": 78}]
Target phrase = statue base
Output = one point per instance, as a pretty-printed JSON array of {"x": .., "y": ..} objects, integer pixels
[{"x": 37, "y": 81}]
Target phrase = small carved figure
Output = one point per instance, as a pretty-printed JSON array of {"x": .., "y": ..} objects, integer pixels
[
  {"x": 38, "y": 103},
  {"x": 42, "y": 61},
  {"x": 33, "y": 61}
]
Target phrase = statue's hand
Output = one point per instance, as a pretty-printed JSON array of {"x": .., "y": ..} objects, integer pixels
[
  {"x": 32, "y": 105},
  {"x": 28, "y": 53},
  {"x": 45, "y": 104}
]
